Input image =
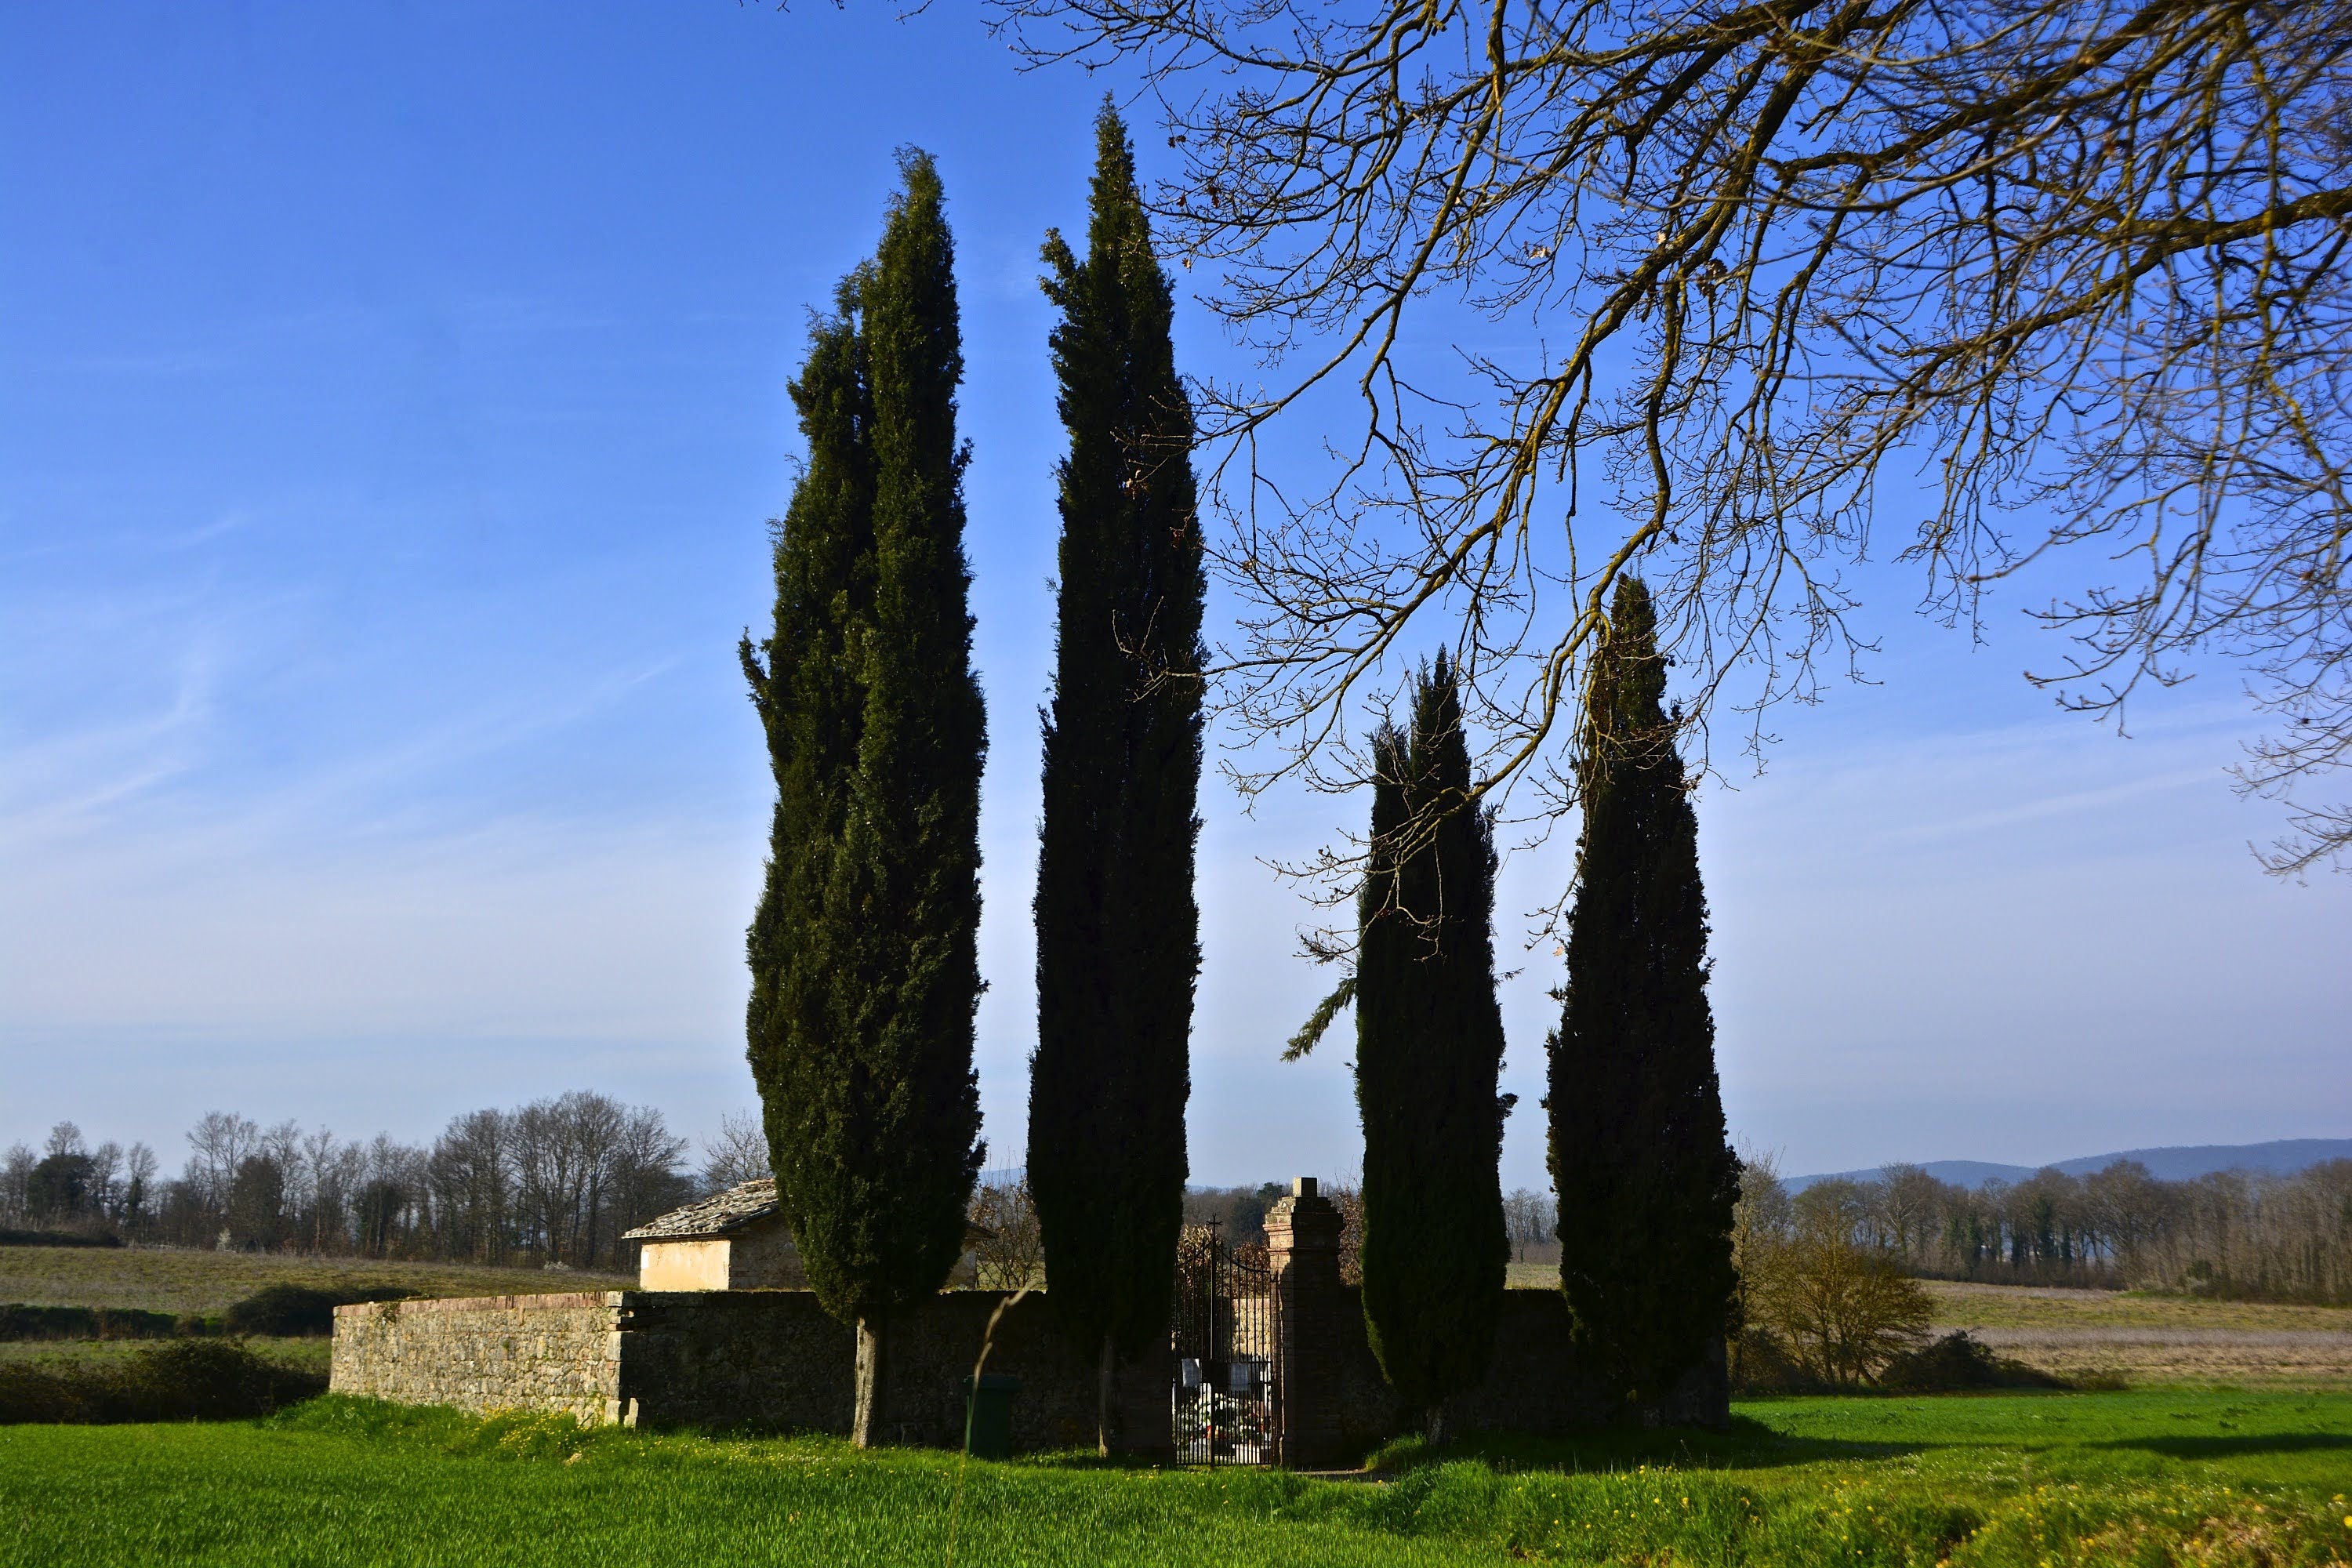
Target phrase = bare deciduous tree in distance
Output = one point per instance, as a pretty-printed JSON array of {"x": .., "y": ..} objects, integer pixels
[
  {"x": 2078, "y": 265},
  {"x": 739, "y": 1155}
]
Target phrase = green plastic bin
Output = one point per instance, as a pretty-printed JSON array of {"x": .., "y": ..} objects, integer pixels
[{"x": 987, "y": 1415}]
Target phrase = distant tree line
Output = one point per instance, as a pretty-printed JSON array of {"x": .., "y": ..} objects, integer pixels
[
  {"x": 1532, "y": 1220},
  {"x": 1238, "y": 1212},
  {"x": 552, "y": 1182},
  {"x": 68, "y": 1185},
  {"x": 2240, "y": 1233},
  {"x": 1002, "y": 1207}
]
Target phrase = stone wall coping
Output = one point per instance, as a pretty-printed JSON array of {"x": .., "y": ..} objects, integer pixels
[{"x": 552, "y": 1300}]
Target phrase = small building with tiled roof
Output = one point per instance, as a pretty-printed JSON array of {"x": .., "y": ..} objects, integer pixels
[{"x": 734, "y": 1240}]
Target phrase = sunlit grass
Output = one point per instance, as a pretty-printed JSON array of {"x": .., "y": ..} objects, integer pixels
[{"x": 2150, "y": 1477}]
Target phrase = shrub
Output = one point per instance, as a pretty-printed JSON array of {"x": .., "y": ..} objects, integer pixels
[
  {"x": 1007, "y": 1251},
  {"x": 1958, "y": 1361},
  {"x": 283, "y": 1311},
  {"x": 187, "y": 1380},
  {"x": 1841, "y": 1312},
  {"x": 209, "y": 1380},
  {"x": 18, "y": 1321},
  {"x": 1758, "y": 1362},
  {"x": 57, "y": 1239}
]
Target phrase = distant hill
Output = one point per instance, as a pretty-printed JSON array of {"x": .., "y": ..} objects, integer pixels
[{"x": 2284, "y": 1157}]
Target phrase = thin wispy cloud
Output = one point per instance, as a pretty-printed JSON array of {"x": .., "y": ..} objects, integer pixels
[{"x": 371, "y": 740}]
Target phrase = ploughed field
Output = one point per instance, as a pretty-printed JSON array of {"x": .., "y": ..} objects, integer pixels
[
  {"x": 202, "y": 1286},
  {"x": 189, "y": 1280},
  {"x": 2143, "y": 1339},
  {"x": 2105, "y": 1336},
  {"x": 2140, "y": 1477}
]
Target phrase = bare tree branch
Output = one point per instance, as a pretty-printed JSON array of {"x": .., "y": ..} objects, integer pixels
[{"x": 2076, "y": 264}]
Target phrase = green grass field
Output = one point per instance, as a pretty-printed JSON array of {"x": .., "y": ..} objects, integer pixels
[
  {"x": 2255, "y": 1473},
  {"x": 2139, "y": 1478}
]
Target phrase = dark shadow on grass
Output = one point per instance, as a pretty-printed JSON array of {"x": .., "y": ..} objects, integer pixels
[
  {"x": 1028, "y": 1458},
  {"x": 1746, "y": 1444},
  {"x": 179, "y": 1380},
  {"x": 2232, "y": 1448},
  {"x": 1082, "y": 1459}
]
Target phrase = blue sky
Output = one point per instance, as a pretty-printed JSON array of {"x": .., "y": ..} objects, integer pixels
[{"x": 391, "y": 399}]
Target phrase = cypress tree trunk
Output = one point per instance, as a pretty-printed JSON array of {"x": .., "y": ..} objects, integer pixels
[
  {"x": 1117, "y": 929},
  {"x": 1429, "y": 1050},
  {"x": 1646, "y": 1179},
  {"x": 865, "y": 974},
  {"x": 867, "y": 1403},
  {"x": 1105, "y": 1392}
]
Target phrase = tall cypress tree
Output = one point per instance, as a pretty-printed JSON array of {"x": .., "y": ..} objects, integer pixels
[
  {"x": 864, "y": 966},
  {"x": 1429, "y": 1049},
  {"x": 1645, "y": 1176},
  {"x": 1118, "y": 930}
]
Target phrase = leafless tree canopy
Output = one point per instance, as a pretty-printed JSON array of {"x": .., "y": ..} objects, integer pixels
[
  {"x": 1744, "y": 274},
  {"x": 739, "y": 1152},
  {"x": 555, "y": 1181},
  {"x": 1008, "y": 1249}
]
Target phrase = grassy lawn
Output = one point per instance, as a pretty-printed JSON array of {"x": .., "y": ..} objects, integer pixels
[
  {"x": 185, "y": 1279},
  {"x": 2146, "y": 1477}
]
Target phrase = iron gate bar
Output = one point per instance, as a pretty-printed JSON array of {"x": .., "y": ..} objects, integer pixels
[{"x": 1225, "y": 1397}]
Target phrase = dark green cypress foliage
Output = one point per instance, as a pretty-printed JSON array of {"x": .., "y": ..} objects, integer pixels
[
  {"x": 865, "y": 972},
  {"x": 1117, "y": 928},
  {"x": 1645, "y": 1177},
  {"x": 1429, "y": 1049}
]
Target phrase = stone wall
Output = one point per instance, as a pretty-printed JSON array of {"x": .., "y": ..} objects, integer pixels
[
  {"x": 1536, "y": 1385},
  {"x": 775, "y": 1359},
  {"x": 1335, "y": 1405},
  {"x": 556, "y": 1353},
  {"x": 763, "y": 1258}
]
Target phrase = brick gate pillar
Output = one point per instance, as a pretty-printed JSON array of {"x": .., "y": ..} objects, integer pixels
[{"x": 1302, "y": 1241}]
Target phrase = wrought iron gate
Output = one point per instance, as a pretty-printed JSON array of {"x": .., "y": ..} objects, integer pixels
[{"x": 1228, "y": 1385}]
